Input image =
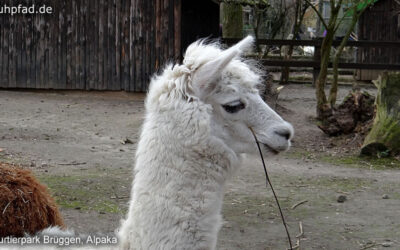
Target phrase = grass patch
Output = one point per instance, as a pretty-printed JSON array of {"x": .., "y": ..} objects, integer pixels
[
  {"x": 362, "y": 161},
  {"x": 325, "y": 183},
  {"x": 88, "y": 192},
  {"x": 340, "y": 184},
  {"x": 347, "y": 160},
  {"x": 300, "y": 154}
]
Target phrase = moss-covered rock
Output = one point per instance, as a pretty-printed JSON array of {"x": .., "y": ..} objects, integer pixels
[{"x": 384, "y": 136}]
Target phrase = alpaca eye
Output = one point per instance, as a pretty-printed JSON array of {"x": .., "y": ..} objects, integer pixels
[{"x": 233, "y": 107}]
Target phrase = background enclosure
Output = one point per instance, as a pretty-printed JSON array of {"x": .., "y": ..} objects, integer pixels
[{"x": 99, "y": 44}]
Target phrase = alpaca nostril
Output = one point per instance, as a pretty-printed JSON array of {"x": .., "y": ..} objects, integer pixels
[{"x": 284, "y": 133}]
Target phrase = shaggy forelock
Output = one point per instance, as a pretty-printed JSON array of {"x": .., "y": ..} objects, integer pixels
[
  {"x": 174, "y": 81},
  {"x": 200, "y": 52}
]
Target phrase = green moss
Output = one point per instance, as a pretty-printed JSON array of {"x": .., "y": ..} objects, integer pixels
[{"x": 385, "y": 132}]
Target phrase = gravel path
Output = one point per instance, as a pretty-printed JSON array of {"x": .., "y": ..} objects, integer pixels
[{"x": 82, "y": 144}]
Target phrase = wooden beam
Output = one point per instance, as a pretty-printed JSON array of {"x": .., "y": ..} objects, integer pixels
[
  {"x": 317, "y": 43},
  {"x": 316, "y": 64}
]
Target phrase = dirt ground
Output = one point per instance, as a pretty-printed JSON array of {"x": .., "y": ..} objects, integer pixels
[{"x": 82, "y": 144}]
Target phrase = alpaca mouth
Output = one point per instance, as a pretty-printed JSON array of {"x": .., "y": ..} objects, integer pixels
[{"x": 270, "y": 149}]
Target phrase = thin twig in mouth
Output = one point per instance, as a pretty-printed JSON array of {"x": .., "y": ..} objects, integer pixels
[{"x": 268, "y": 182}]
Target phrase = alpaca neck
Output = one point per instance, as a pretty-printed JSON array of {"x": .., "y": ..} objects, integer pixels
[{"x": 180, "y": 173}]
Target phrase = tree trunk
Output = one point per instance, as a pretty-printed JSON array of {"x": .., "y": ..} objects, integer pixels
[
  {"x": 334, "y": 86},
  {"x": 298, "y": 20},
  {"x": 232, "y": 21},
  {"x": 384, "y": 137},
  {"x": 323, "y": 109},
  {"x": 257, "y": 17},
  {"x": 335, "y": 72}
]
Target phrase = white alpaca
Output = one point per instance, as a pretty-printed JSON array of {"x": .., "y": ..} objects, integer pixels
[
  {"x": 198, "y": 120},
  {"x": 197, "y": 123}
]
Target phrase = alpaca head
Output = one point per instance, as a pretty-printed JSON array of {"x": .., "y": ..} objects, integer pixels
[{"x": 219, "y": 78}]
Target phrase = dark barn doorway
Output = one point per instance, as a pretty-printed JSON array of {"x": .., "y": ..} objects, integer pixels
[{"x": 199, "y": 19}]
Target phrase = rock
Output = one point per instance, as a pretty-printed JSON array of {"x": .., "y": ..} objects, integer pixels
[
  {"x": 381, "y": 140},
  {"x": 387, "y": 244},
  {"x": 385, "y": 196},
  {"x": 341, "y": 198},
  {"x": 126, "y": 141},
  {"x": 356, "y": 108}
]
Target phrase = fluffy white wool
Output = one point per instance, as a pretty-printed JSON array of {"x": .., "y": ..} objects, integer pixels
[
  {"x": 181, "y": 166},
  {"x": 190, "y": 145}
]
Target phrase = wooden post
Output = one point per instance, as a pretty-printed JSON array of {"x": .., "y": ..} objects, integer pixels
[
  {"x": 232, "y": 21},
  {"x": 177, "y": 31}
]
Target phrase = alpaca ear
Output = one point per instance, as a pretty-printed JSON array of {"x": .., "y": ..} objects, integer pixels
[
  {"x": 205, "y": 78},
  {"x": 244, "y": 45}
]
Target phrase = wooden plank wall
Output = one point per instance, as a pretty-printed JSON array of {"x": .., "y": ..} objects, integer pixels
[
  {"x": 381, "y": 22},
  {"x": 89, "y": 44}
]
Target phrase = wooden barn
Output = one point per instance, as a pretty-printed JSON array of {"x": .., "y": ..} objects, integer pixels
[
  {"x": 99, "y": 44},
  {"x": 381, "y": 22}
]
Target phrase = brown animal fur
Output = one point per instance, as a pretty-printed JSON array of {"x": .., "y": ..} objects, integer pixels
[{"x": 25, "y": 204}]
